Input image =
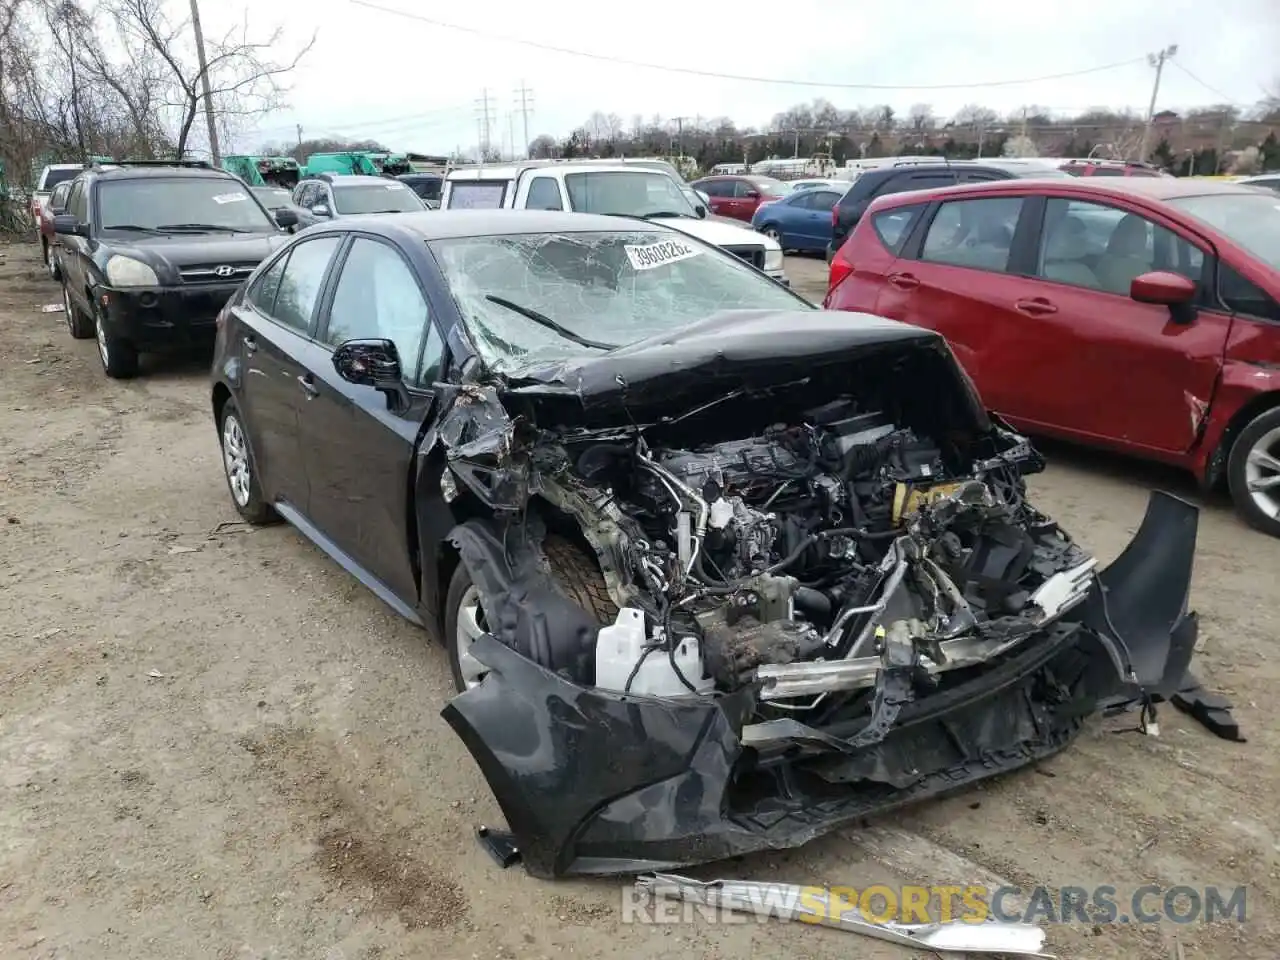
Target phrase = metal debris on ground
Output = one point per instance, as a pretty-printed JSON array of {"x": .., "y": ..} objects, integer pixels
[
  {"x": 991, "y": 937},
  {"x": 51, "y": 308}
]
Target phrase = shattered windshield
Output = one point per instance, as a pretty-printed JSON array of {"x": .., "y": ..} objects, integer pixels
[
  {"x": 631, "y": 193},
  {"x": 608, "y": 288},
  {"x": 1250, "y": 220},
  {"x": 390, "y": 197}
]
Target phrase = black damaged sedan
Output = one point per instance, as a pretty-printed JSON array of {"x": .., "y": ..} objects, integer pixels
[{"x": 716, "y": 571}]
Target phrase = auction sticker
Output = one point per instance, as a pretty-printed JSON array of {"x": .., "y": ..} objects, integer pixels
[
  {"x": 229, "y": 197},
  {"x": 651, "y": 255}
]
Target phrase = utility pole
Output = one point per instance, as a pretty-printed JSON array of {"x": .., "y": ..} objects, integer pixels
[
  {"x": 679, "y": 122},
  {"x": 795, "y": 150},
  {"x": 526, "y": 104},
  {"x": 1024, "y": 123},
  {"x": 483, "y": 106},
  {"x": 204, "y": 83},
  {"x": 511, "y": 132},
  {"x": 299, "y": 135},
  {"x": 1155, "y": 60}
]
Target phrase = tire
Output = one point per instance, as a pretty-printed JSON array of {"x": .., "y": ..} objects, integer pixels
[
  {"x": 575, "y": 572},
  {"x": 79, "y": 324},
  {"x": 239, "y": 468},
  {"x": 119, "y": 357},
  {"x": 1260, "y": 438}
]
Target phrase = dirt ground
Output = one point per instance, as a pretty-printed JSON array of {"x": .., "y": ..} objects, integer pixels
[{"x": 214, "y": 743}]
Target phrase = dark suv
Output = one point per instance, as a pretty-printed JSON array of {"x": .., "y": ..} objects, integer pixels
[
  {"x": 884, "y": 180},
  {"x": 151, "y": 251}
]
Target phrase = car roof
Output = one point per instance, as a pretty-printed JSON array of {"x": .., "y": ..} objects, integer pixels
[
  {"x": 451, "y": 224},
  {"x": 1145, "y": 188},
  {"x": 108, "y": 172},
  {"x": 337, "y": 179}
]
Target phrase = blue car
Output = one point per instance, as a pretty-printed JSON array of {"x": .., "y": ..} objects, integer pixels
[{"x": 799, "y": 221}]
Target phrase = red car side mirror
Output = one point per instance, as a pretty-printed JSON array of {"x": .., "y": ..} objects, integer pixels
[
  {"x": 753, "y": 195},
  {"x": 1162, "y": 287}
]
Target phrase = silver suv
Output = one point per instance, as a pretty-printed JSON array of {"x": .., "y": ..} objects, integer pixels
[{"x": 327, "y": 196}]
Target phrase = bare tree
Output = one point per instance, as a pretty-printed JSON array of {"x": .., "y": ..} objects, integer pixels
[
  {"x": 614, "y": 128},
  {"x": 244, "y": 79},
  {"x": 920, "y": 117},
  {"x": 974, "y": 115}
]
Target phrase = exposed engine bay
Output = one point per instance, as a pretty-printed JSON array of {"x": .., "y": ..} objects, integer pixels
[
  {"x": 840, "y": 539},
  {"x": 808, "y": 587}
]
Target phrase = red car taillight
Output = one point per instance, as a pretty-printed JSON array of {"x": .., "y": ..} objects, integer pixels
[
  {"x": 841, "y": 267},
  {"x": 835, "y": 216}
]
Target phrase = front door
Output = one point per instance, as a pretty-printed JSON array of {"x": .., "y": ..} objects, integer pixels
[
  {"x": 1101, "y": 366},
  {"x": 277, "y": 320},
  {"x": 359, "y": 447}
]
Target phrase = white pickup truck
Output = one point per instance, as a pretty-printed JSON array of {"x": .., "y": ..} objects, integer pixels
[
  {"x": 50, "y": 177},
  {"x": 623, "y": 189}
]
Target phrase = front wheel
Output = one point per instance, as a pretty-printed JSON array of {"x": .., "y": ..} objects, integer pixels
[
  {"x": 79, "y": 324},
  {"x": 119, "y": 357},
  {"x": 574, "y": 571},
  {"x": 1253, "y": 473}
]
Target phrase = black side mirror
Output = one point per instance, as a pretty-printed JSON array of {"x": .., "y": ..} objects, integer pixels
[
  {"x": 68, "y": 225},
  {"x": 286, "y": 218},
  {"x": 372, "y": 363},
  {"x": 701, "y": 211}
]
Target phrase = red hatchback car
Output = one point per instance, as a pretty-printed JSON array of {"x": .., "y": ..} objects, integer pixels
[
  {"x": 1138, "y": 314},
  {"x": 739, "y": 197}
]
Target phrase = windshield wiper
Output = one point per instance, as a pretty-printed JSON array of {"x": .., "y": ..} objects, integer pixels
[
  {"x": 663, "y": 213},
  {"x": 202, "y": 227},
  {"x": 544, "y": 321},
  {"x": 135, "y": 228}
]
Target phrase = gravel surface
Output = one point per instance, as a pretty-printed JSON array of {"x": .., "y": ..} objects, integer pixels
[{"x": 214, "y": 743}]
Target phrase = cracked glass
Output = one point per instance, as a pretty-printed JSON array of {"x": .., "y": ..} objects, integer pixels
[{"x": 612, "y": 288}]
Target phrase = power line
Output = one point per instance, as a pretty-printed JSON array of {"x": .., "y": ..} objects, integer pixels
[
  {"x": 1214, "y": 90},
  {"x": 734, "y": 76}
]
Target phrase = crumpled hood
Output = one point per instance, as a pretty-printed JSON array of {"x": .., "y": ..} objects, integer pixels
[
  {"x": 738, "y": 350},
  {"x": 721, "y": 232}
]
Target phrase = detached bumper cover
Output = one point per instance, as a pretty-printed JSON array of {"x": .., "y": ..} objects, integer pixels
[{"x": 596, "y": 783}]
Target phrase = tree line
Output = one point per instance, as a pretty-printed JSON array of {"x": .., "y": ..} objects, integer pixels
[
  {"x": 1202, "y": 140},
  {"x": 121, "y": 78}
]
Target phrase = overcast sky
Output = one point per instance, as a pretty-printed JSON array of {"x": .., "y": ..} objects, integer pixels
[{"x": 415, "y": 85}]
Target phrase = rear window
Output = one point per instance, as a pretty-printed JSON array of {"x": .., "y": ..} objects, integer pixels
[
  {"x": 1106, "y": 172},
  {"x": 894, "y": 226},
  {"x": 54, "y": 177},
  {"x": 477, "y": 194}
]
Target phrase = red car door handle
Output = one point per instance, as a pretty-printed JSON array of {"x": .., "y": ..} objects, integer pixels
[
  {"x": 903, "y": 281},
  {"x": 1036, "y": 307}
]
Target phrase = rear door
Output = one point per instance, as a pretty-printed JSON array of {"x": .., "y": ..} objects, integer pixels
[
  {"x": 959, "y": 274},
  {"x": 358, "y": 446},
  {"x": 277, "y": 320},
  {"x": 813, "y": 226},
  {"x": 721, "y": 194}
]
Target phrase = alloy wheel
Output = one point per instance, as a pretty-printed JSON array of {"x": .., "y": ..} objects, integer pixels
[
  {"x": 235, "y": 460},
  {"x": 103, "y": 350},
  {"x": 470, "y": 625},
  {"x": 1262, "y": 473}
]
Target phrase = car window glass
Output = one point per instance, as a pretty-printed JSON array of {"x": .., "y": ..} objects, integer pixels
[
  {"x": 1106, "y": 172},
  {"x": 973, "y": 233},
  {"x": 741, "y": 188},
  {"x": 1104, "y": 248},
  {"x": 302, "y": 280},
  {"x": 263, "y": 292},
  {"x": 823, "y": 200},
  {"x": 58, "y": 199},
  {"x": 893, "y": 226},
  {"x": 377, "y": 298},
  {"x": 1242, "y": 296},
  {"x": 544, "y": 194},
  {"x": 76, "y": 205},
  {"x": 477, "y": 194},
  {"x": 717, "y": 188}
]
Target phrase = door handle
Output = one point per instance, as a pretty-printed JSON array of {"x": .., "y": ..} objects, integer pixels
[
  {"x": 250, "y": 344},
  {"x": 1035, "y": 307},
  {"x": 903, "y": 281},
  {"x": 308, "y": 385}
]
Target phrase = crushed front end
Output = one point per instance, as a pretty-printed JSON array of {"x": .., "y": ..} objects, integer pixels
[{"x": 828, "y": 604}]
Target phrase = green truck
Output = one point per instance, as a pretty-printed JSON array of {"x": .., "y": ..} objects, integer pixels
[{"x": 264, "y": 171}]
